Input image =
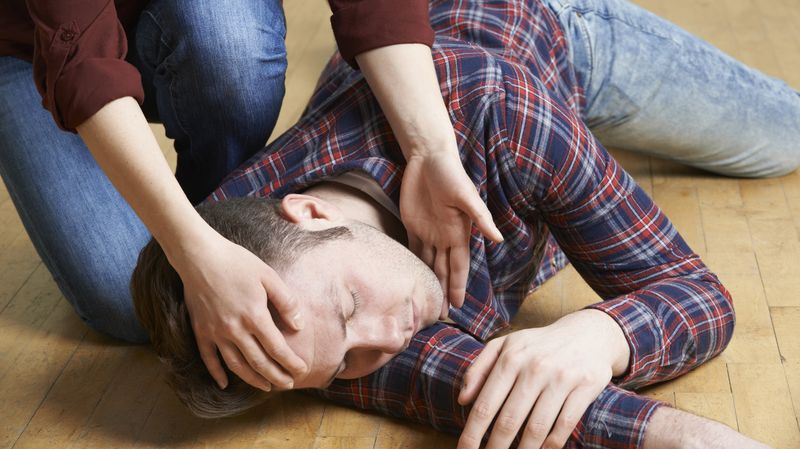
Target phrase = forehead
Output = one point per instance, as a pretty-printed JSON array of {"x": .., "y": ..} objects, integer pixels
[{"x": 316, "y": 284}]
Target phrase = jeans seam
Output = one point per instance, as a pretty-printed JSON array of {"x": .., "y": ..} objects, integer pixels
[
  {"x": 170, "y": 86},
  {"x": 585, "y": 11}
]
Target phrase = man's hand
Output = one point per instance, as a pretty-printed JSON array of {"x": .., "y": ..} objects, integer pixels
[
  {"x": 546, "y": 376},
  {"x": 438, "y": 204},
  {"x": 226, "y": 289}
]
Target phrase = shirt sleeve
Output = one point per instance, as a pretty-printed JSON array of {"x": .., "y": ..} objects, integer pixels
[
  {"x": 361, "y": 25},
  {"x": 422, "y": 384},
  {"x": 79, "y": 58},
  {"x": 673, "y": 310}
]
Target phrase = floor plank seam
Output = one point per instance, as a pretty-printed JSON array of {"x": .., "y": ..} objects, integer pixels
[{"x": 49, "y": 390}]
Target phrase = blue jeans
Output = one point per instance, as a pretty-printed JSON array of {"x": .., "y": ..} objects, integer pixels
[
  {"x": 214, "y": 76},
  {"x": 653, "y": 88}
]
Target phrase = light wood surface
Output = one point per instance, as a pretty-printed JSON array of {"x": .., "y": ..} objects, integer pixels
[{"x": 63, "y": 385}]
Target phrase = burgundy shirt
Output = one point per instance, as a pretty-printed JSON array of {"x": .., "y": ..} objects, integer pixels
[{"x": 78, "y": 47}]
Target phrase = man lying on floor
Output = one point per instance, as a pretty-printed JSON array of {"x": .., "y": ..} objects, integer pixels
[{"x": 322, "y": 211}]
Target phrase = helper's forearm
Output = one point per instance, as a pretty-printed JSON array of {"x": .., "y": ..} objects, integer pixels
[
  {"x": 403, "y": 79},
  {"x": 124, "y": 146}
]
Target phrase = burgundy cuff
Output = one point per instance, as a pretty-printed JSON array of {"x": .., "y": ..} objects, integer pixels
[
  {"x": 85, "y": 88},
  {"x": 367, "y": 25}
]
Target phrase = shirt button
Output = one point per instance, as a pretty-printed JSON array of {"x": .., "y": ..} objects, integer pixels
[{"x": 67, "y": 36}]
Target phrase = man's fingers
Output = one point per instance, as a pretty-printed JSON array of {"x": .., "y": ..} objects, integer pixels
[
  {"x": 491, "y": 398},
  {"x": 479, "y": 213},
  {"x": 274, "y": 343},
  {"x": 208, "y": 352},
  {"x": 237, "y": 363},
  {"x": 513, "y": 414},
  {"x": 279, "y": 295},
  {"x": 459, "y": 272},
  {"x": 479, "y": 370},
  {"x": 571, "y": 413},
  {"x": 542, "y": 418}
]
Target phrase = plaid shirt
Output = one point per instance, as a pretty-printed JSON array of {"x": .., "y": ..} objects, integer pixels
[{"x": 515, "y": 104}]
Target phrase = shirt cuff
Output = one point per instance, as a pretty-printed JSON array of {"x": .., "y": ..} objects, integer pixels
[
  {"x": 367, "y": 25},
  {"x": 645, "y": 339},
  {"x": 616, "y": 419},
  {"x": 76, "y": 99}
]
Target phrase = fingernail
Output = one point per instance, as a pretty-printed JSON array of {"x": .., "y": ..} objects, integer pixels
[
  {"x": 266, "y": 387},
  {"x": 298, "y": 322},
  {"x": 290, "y": 385},
  {"x": 223, "y": 385}
]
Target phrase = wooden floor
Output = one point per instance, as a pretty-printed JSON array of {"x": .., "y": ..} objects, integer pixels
[{"x": 62, "y": 385}]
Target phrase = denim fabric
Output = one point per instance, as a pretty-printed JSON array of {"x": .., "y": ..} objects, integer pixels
[
  {"x": 214, "y": 76},
  {"x": 654, "y": 88}
]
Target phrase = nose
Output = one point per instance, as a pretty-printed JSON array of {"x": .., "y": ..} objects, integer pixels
[{"x": 385, "y": 334}]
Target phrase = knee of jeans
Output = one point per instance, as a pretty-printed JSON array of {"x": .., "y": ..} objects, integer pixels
[{"x": 242, "y": 42}]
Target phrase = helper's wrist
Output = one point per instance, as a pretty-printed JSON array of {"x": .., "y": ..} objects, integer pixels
[
  {"x": 191, "y": 244},
  {"x": 426, "y": 140}
]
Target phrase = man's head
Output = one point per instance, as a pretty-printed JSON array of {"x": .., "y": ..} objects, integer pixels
[{"x": 359, "y": 291}]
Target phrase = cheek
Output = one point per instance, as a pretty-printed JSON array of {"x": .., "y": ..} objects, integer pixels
[{"x": 362, "y": 363}]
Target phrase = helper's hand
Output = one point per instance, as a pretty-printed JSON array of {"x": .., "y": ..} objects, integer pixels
[
  {"x": 226, "y": 289},
  {"x": 546, "y": 376},
  {"x": 438, "y": 204}
]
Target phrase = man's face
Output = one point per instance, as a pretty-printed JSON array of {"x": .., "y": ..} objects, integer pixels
[{"x": 363, "y": 299}]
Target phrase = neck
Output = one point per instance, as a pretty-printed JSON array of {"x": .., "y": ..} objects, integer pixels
[{"x": 357, "y": 205}]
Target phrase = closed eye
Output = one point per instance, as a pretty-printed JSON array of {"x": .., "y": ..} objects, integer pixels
[{"x": 356, "y": 303}]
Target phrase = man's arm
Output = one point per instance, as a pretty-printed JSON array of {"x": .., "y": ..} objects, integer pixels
[
  {"x": 422, "y": 384},
  {"x": 672, "y": 309}
]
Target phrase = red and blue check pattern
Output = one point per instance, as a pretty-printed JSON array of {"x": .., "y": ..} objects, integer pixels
[{"x": 515, "y": 104}]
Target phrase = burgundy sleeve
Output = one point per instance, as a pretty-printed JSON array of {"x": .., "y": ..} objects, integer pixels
[
  {"x": 79, "y": 58},
  {"x": 361, "y": 25}
]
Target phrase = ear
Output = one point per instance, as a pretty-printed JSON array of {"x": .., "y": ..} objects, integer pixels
[{"x": 310, "y": 211}]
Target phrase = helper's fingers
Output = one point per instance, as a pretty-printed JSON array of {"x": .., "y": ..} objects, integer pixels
[
  {"x": 237, "y": 363},
  {"x": 441, "y": 266},
  {"x": 427, "y": 254},
  {"x": 459, "y": 272},
  {"x": 415, "y": 245},
  {"x": 516, "y": 410},
  {"x": 542, "y": 418},
  {"x": 572, "y": 412},
  {"x": 479, "y": 370},
  {"x": 281, "y": 298},
  {"x": 262, "y": 364},
  {"x": 478, "y": 212},
  {"x": 274, "y": 343},
  {"x": 491, "y": 398},
  {"x": 208, "y": 353}
]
